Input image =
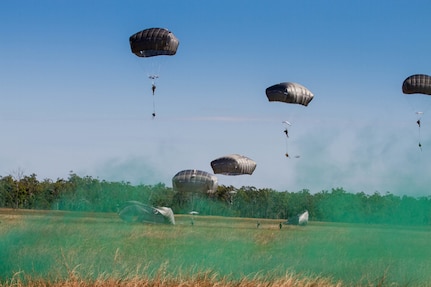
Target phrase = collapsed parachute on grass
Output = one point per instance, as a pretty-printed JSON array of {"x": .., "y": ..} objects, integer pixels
[
  {"x": 300, "y": 219},
  {"x": 417, "y": 84},
  {"x": 194, "y": 181},
  {"x": 291, "y": 93},
  {"x": 135, "y": 211},
  {"x": 154, "y": 42},
  {"x": 233, "y": 164}
]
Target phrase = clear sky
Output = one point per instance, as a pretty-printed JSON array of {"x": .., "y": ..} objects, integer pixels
[{"x": 74, "y": 97}]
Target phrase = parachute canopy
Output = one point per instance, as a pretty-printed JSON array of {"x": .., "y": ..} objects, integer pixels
[
  {"x": 135, "y": 211},
  {"x": 153, "y": 42},
  {"x": 195, "y": 181},
  {"x": 417, "y": 84},
  {"x": 291, "y": 93},
  {"x": 233, "y": 164}
]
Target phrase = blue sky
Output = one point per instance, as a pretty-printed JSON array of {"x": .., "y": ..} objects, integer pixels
[{"x": 74, "y": 97}]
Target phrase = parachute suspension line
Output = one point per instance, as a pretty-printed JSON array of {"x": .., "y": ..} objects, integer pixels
[
  {"x": 418, "y": 122},
  {"x": 286, "y": 132},
  {"x": 153, "y": 71},
  {"x": 153, "y": 89},
  {"x": 154, "y": 108},
  {"x": 287, "y": 148}
]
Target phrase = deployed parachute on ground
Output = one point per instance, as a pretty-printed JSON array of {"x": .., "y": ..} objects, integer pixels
[
  {"x": 300, "y": 219},
  {"x": 291, "y": 93},
  {"x": 194, "y": 181},
  {"x": 233, "y": 164},
  {"x": 151, "y": 43},
  {"x": 418, "y": 84},
  {"x": 135, "y": 211}
]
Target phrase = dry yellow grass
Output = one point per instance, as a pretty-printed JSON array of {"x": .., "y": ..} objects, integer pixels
[{"x": 204, "y": 279}]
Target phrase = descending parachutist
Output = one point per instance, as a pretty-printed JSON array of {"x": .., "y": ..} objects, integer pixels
[
  {"x": 153, "y": 88},
  {"x": 153, "y": 82},
  {"x": 153, "y": 42},
  {"x": 286, "y": 132},
  {"x": 419, "y": 125}
]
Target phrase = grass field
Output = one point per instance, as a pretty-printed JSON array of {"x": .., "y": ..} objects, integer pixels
[{"x": 54, "y": 245}]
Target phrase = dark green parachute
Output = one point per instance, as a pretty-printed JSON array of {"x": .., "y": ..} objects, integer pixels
[
  {"x": 291, "y": 93},
  {"x": 194, "y": 181},
  {"x": 233, "y": 164},
  {"x": 417, "y": 84},
  {"x": 153, "y": 42}
]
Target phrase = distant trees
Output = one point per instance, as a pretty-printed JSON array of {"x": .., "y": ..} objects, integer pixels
[{"x": 91, "y": 194}]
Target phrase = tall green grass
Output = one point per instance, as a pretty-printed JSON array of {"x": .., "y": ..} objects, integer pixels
[{"x": 53, "y": 245}]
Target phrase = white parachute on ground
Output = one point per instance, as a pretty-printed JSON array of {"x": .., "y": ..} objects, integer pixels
[
  {"x": 135, "y": 211},
  {"x": 300, "y": 219},
  {"x": 194, "y": 181},
  {"x": 303, "y": 218},
  {"x": 233, "y": 164}
]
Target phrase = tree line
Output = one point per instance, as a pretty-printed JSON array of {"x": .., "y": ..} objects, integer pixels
[{"x": 94, "y": 195}]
